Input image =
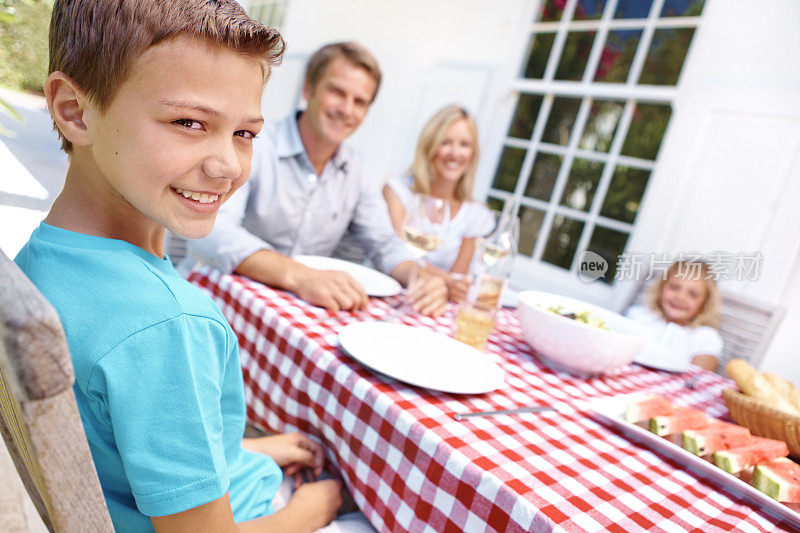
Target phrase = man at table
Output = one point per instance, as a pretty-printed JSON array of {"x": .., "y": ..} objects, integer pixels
[{"x": 307, "y": 187}]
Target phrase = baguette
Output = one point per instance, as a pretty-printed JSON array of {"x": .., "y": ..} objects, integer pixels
[
  {"x": 742, "y": 373},
  {"x": 783, "y": 386},
  {"x": 763, "y": 387},
  {"x": 787, "y": 389}
]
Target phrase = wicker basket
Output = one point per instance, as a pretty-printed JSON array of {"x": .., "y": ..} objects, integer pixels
[{"x": 763, "y": 420}]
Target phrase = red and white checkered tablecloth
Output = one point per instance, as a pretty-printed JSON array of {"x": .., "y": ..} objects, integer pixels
[{"x": 412, "y": 467}]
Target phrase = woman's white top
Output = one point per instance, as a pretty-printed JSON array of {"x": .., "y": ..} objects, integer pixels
[
  {"x": 472, "y": 220},
  {"x": 683, "y": 342}
]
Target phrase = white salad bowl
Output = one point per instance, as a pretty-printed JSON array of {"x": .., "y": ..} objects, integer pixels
[{"x": 567, "y": 344}]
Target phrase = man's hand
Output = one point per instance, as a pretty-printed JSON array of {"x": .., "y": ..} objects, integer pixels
[
  {"x": 293, "y": 452},
  {"x": 331, "y": 289}
]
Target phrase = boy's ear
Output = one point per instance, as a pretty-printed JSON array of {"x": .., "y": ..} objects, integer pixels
[{"x": 67, "y": 104}]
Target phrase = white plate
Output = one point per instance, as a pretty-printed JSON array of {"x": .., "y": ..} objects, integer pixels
[
  {"x": 653, "y": 356},
  {"x": 510, "y": 297},
  {"x": 421, "y": 357},
  {"x": 612, "y": 411},
  {"x": 375, "y": 283}
]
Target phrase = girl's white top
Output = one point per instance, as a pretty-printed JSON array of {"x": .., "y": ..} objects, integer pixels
[
  {"x": 472, "y": 220},
  {"x": 683, "y": 342}
]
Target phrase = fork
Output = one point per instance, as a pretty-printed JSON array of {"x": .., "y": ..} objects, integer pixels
[{"x": 690, "y": 383}]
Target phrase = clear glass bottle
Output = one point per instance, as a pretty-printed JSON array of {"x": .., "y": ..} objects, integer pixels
[{"x": 495, "y": 258}]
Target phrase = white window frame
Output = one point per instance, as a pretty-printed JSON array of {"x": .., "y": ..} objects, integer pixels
[
  {"x": 532, "y": 271},
  {"x": 279, "y": 7}
]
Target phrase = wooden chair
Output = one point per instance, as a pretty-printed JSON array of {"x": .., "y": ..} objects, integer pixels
[
  {"x": 39, "y": 418},
  {"x": 746, "y": 327}
]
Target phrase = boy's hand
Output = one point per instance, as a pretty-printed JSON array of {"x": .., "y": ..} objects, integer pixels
[
  {"x": 291, "y": 451},
  {"x": 317, "y": 502}
]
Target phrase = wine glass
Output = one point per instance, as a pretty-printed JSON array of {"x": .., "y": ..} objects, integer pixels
[
  {"x": 425, "y": 227},
  {"x": 502, "y": 241}
]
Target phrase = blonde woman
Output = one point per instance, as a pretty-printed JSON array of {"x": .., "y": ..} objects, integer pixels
[
  {"x": 683, "y": 312},
  {"x": 444, "y": 166}
]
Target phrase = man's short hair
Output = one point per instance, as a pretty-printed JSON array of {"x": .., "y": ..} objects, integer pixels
[
  {"x": 355, "y": 53},
  {"x": 95, "y": 42}
]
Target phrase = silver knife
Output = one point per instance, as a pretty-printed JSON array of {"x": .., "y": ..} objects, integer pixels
[{"x": 530, "y": 409}]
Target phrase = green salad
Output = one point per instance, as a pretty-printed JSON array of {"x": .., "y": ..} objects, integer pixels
[{"x": 581, "y": 316}]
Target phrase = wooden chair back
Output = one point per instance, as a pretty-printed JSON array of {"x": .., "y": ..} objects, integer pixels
[
  {"x": 746, "y": 327},
  {"x": 39, "y": 418}
]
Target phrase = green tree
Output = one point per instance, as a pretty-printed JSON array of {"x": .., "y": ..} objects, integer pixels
[
  {"x": 23, "y": 48},
  {"x": 23, "y": 43}
]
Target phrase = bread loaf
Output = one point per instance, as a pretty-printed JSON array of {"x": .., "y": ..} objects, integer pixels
[
  {"x": 742, "y": 373},
  {"x": 786, "y": 388},
  {"x": 769, "y": 388}
]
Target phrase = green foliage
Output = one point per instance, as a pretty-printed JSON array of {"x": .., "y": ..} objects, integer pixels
[
  {"x": 625, "y": 193},
  {"x": 508, "y": 170},
  {"x": 646, "y": 130},
  {"x": 23, "y": 43}
]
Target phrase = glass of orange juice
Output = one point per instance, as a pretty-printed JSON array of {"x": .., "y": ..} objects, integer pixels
[{"x": 474, "y": 322}]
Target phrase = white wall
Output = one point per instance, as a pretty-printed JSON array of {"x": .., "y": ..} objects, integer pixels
[{"x": 729, "y": 170}]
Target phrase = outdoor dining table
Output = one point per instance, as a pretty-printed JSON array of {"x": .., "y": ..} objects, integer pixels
[{"x": 411, "y": 466}]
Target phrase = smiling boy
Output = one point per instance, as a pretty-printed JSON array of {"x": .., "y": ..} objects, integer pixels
[{"x": 157, "y": 104}]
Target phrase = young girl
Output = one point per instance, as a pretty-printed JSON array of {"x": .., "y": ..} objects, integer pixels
[
  {"x": 682, "y": 313},
  {"x": 444, "y": 166}
]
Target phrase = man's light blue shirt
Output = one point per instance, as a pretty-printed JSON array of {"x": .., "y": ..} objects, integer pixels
[{"x": 286, "y": 207}]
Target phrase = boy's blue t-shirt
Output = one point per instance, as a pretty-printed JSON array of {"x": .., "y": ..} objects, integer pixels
[{"x": 157, "y": 379}]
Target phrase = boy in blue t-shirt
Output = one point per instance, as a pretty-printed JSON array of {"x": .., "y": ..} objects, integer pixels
[{"x": 157, "y": 104}]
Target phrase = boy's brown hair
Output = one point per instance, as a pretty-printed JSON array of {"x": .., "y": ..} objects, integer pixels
[{"x": 95, "y": 42}]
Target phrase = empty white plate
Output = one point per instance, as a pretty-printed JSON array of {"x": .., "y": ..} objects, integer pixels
[
  {"x": 510, "y": 297},
  {"x": 654, "y": 356},
  {"x": 375, "y": 283},
  {"x": 421, "y": 357}
]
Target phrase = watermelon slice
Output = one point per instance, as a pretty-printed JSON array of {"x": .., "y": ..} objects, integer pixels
[
  {"x": 758, "y": 450},
  {"x": 681, "y": 419},
  {"x": 779, "y": 479},
  {"x": 648, "y": 407},
  {"x": 717, "y": 436}
]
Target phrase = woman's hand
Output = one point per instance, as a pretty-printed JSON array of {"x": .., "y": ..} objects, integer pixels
[
  {"x": 293, "y": 452},
  {"x": 458, "y": 286},
  {"x": 429, "y": 296}
]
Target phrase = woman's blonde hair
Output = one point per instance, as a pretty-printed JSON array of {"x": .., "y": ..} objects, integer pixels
[
  {"x": 429, "y": 140},
  {"x": 709, "y": 314}
]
